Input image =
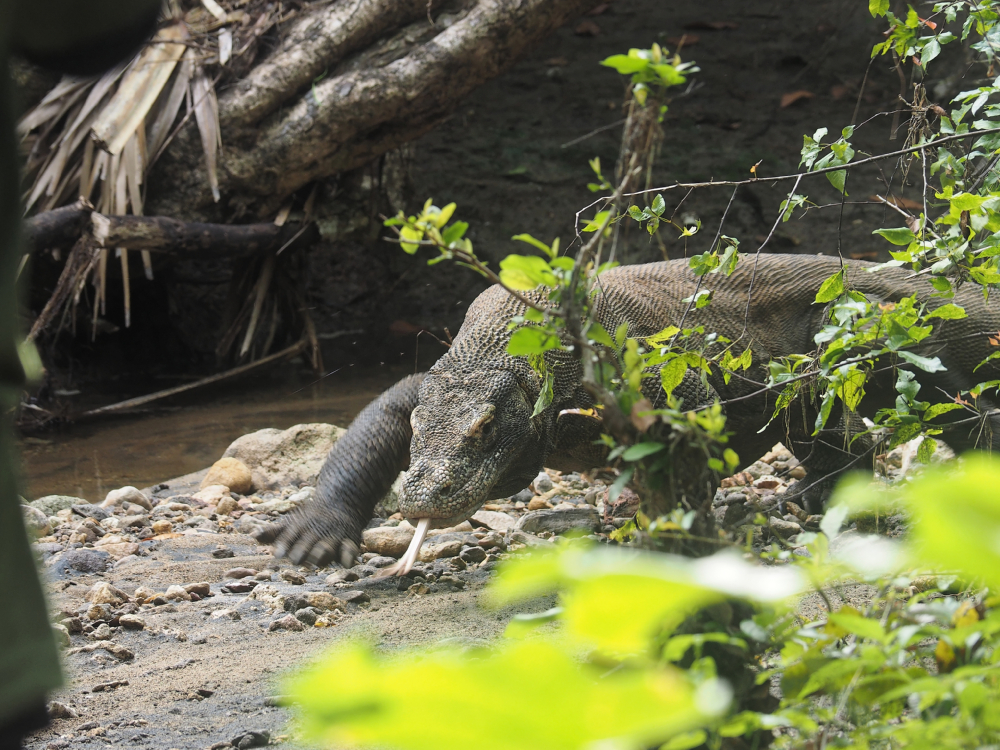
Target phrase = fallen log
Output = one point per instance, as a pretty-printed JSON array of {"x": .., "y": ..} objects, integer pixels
[
  {"x": 59, "y": 228},
  {"x": 161, "y": 234},
  {"x": 62, "y": 227}
]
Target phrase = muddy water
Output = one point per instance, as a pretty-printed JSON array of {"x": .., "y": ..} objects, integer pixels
[{"x": 187, "y": 434}]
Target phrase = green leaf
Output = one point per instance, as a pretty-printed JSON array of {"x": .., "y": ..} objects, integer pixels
[
  {"x": 838, "y": 179},
  {"x": 625, "y": 64},
  {"x": 659, "y": 205},
  {"x": 899, "y": 236},
  {"x": 597, "y": 222},
  {"x": 927, "y": 364},
  {"x": 525, "y": 272},
  {"x": 936, "y": 410},
  {"x": 926, "y": 450},
  {"x": 454, "y": 233},
  {"x": 830, "y": 289},
  {"x": 686, "y": 741},
  {"x": 672, "y": 374},
  {"x": 545, "y": 395},
  {"x": 357, "y": 698},
  {"x": 663, "y": 337},
  {"x": 598, "y": 335},
  {"x": 410, "y": 233},
  {"x": 641, "y": 450},
  {"x": 529, "y": 340},
  {"x": 947, "y": 312},
  {"x": 534, "y": 243},
  {"x": 861, "y": 626},
  {"x": 878, "y": 7}
]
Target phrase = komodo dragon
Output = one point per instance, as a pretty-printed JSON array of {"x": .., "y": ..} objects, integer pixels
[{"x": 464, "y": 428}]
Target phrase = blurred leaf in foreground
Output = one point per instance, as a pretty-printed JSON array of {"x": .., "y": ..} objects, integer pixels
[
  {"x": 955, "y": 513},
  {"x": 618, "y": 600},
  {"x": 521, "y": 696}
]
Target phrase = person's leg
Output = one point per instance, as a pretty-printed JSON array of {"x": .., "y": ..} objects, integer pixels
[
  {"x": 29, "y": 661},
  {"x": 31, "y": 719}
]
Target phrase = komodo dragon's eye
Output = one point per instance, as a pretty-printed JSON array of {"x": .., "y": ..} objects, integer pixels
[{"x": 484, "y": 425}]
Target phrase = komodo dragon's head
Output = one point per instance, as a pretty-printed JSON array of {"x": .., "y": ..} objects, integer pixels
[{"x": 473, "y": 440}]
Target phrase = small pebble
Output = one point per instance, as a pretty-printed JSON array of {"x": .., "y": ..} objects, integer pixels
[
  {"x": 293, "y": 577},
  {"x": 132, "y": 622},
  {"x": 239, "y": 573},
  {"x": 288, "y": 622}
]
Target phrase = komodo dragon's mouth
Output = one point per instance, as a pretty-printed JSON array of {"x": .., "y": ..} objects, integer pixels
[{"x": 424, "y": 523}]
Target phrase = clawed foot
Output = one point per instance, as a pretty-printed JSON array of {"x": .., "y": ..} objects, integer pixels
[{"x": 306, "y": 537}]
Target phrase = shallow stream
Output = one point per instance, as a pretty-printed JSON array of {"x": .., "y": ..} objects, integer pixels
[{"x": 185, "y": 434}]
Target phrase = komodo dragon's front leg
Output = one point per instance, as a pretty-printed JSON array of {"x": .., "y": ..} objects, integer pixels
[{"x": 357, "y": 473}]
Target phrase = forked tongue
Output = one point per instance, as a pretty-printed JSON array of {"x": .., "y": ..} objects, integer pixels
[{"x": 409, "y": 557}]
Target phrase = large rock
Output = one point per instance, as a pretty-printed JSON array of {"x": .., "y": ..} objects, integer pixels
[
  {"x": 126, "y": 495},
  {"x": 388, "y": 540},
  {"x": 494, "y": 520},
  {"x": 103, "y": 592},
  {"x": 52, "y": 504},
  {"x": 581, "y": 518},
  {"x": 232, "y": 473},
  {"x": 35, "y": 521},
  {"x": 84, "y": 560},
  {"x": 279, "y": 458}
]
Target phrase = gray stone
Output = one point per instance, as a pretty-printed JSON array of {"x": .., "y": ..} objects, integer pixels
[
  {"x": 281, "y": 458},
  {"x": 132, "y": 622},
  {"x": 52, "y": 504},
  {"x": 521, "y": 537},
  {"x": 307, "y": 615},
  {"x": 239, "y": 573},
  {"x": 293, "y": 577},
  {"x": 543, "y": 483},
  {"x": 101, "y": 633},
  {"x": 126, "y": 495},
  {"x": 581, "y": 518},
  {"x": 432, "y": 550},
  {"x": 61, "y": 633},
  {"x": 381, "y": 561},
  {"x": 251, "y": 739},
  {"x": 464, "y": 537},
  {"x": 783, "y": 528},
  {"x": 354, "y": 596},
  {"x": 84, "y": 560},
  {"x": 91, "y": 511},
  {"x": 734, "y": 514},
  {"x": 222, "y": 553},
  {"x": 99, "y": 612},
  {"x": 288, "y": 622},
  {"x": 342, "y": 576},
  {"x": 523, "y": 496},
  {"x": 388, "y": 540},
  {"x": 493, "y": 540},
  {"x": 35, "y": 521},
  {"x": 495, "y": 520},
  {"x": 59, "y": 710},
  {"x": 473, "y": 554}
]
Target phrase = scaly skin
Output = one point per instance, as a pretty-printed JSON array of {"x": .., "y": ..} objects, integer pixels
[{"x": 473, "y": 437}]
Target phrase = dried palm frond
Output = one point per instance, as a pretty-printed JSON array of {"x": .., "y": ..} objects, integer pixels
[{"x": 101, "y": 135}]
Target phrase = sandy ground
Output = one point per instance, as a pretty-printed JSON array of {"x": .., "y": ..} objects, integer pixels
[{"x": 239, "y": 663}]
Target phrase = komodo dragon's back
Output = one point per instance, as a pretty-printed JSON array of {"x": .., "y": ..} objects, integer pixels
[{"x": 465, "y": 429}]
